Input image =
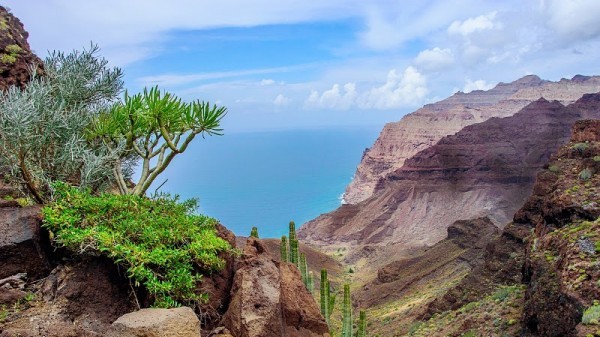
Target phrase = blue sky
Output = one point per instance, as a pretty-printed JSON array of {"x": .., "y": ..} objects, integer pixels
[{"x": 291, "y": 64}]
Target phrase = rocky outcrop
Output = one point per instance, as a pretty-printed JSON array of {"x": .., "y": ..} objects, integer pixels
[
  {"x": 22, "y": 248},
  {"x": 460, "y": 252},
  {"x": 423, "y": 128},
  {"x": 268, "y": 298},
  {"x": 178, "y": 322},
  {"x": 551, "y": 245},
  {"x": 16, "y": 58},
  {"x": 486, "y": 169},
  {"x": 77, "y": 299}
]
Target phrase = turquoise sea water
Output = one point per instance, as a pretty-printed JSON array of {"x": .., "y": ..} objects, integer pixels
[{"x": 266, "y": 179}]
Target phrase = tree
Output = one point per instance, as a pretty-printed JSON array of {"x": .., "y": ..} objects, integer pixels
[
  {"x": 154, "y": 126},
  {"x": 42, "y": 126}
]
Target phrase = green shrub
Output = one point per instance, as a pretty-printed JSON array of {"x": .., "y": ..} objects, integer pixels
[
  {"x": 591, "y": 315},
  {"x": 585, "y": 174},
  {"x": 553, "y": 169},
  {"x": 580, "y": 147},
  {"x": 163, "y": 245}
]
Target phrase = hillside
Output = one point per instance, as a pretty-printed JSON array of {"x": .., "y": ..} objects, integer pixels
[
  {"x": 486, "y": 169},
  {"x": 423, "y": 128}
]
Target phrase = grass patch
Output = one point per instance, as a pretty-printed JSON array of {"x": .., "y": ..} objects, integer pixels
[{"x": 591, "y": 316}]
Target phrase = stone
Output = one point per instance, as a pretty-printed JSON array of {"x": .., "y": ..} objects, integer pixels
[{"x": 154, "y": 322}]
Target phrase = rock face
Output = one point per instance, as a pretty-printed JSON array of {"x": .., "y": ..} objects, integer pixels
[
  {"x": 22, "y": 248},
  {"x": 461, "y": 251},
  {"x": 551, "y": 245},
  {"x": 425, "y": 127},
  {"x": 178, "y": 322},
  {"x": 16, "y": 58},
  {"x": 268, "y": 299},
  {"x": 486, "y": 169}
]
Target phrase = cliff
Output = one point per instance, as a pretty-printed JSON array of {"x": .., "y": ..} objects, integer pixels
[
  {"x": 423, "y": 128},
  {"x": 16, "y": 57},
  {"x": 486, "y": 169}
]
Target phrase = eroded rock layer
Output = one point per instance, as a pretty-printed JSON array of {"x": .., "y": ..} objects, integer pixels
[{"x": 423, "y": 128}]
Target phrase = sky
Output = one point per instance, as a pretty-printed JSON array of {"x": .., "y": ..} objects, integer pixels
[{"x": 291, "y": 64}]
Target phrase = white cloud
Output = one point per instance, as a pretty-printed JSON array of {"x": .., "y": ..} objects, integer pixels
[
  {"x": 435, "y": 59},
  {"x": 408, "y": 89},
  {"x": 398, "y": 91},
  {"x": 476, "y": 85},
  {"x": 333, "y": 98},
  {"x": 267, "y": 82},
  {"x": 472, "y": 25},
  {"x": 575, "y": 19},
  {"x": 281, "y": 100}
]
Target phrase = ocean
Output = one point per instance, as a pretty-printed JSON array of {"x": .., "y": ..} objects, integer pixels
[{"x": 266, "y": 179}]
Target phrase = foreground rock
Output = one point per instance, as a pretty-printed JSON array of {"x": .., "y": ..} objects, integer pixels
[
  {"x": 423, "y": 128},
  {"x": 269, "y": 299},
  {"x": 178, "y": 322},
  {"x": 16, "y": 58}
]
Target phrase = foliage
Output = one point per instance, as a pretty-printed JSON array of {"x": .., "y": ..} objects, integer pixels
[
  {"x": 163, "y": 245},
  {"x": 580, "y": 147},
  {"x": 42, "y": 126},
  {"x": 585, "y": 174},
  {"x": 154, "y": 126},
  {"x": 254, "y": 232},
  {"x": 591, "y": 316}
]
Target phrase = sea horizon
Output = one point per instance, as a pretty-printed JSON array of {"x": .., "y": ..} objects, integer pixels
[{"x": 268, "y": 178}]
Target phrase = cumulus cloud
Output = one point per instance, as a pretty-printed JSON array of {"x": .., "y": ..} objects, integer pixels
[
  {"x": 435, "y": 59},
  {"x": 408, "y": 89},
  {"x": 281, "y": 100},
  {"x": 472, "y": 25},
  {"x": 399, "y": 90},
  {"x": 476, "y": 85},
  {"x": 333, "y": 98}
]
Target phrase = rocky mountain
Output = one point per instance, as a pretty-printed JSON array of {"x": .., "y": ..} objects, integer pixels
[
  {"x": 484, "y": 170},
  {"x": 423, "y": 128},
  {"x": 540, "y": 277},
  {"x": 16, "y": 57}
]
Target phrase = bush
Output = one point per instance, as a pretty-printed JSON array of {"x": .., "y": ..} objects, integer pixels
[
  {"x": 585, "y": 174},
  {"x": 580, "y": 147},
  {"x": 591, "y": 315},
  {"x": 160, "y": 242},
  {"x": 42, "y": 126}
]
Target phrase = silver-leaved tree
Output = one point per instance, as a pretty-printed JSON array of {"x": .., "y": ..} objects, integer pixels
[{"x": 42, "y": 127}]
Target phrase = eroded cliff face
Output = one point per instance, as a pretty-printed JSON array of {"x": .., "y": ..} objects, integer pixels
[
  {"x": 16, "y": 58},
  {"x": 425, "y": 127},
  {"x": 486, "y": 169}
]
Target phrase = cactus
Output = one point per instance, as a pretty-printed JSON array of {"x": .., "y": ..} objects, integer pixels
[
  {"x": 304, "y": 269},
  {"x": 362, "y": 324},
  {"x": 254, "y": 232},
  {"x": 311, "y": 282},
  {"x": 347, "y": 313},
  {"x": 293, "y": 245},
  {"x": 325, "y": 295},
  {"x": 283, "y": 247}
]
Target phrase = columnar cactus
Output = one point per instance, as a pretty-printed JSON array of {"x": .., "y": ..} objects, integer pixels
[
  {"x": 362, "y": 324},
  {"x": 304, "y": 269},
  {"x": 347, "y": 313},
  {"x": 311, "y": 282},
  {"x": 294, "y": 258},
  {"x": 325, "y": 295},
  {"x": 283, "y": 248},
  {"x": 254, "y": 232}
]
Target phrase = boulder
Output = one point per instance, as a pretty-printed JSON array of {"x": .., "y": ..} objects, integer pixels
[
  {"x": 268, "y": 299},
  {"x": 22, "y": 248},
  {"x": 178, "y": 322}
]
